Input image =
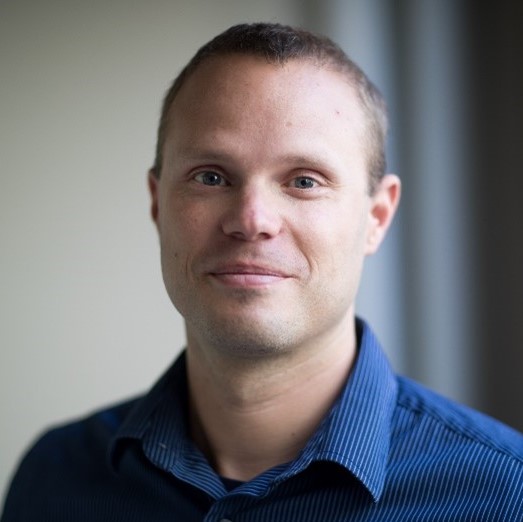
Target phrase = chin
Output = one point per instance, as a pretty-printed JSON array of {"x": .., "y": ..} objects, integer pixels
[{"x": 248, "y": 338}]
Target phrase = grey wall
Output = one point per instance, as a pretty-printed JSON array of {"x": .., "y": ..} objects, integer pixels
[{"x": 496, "y": 185}]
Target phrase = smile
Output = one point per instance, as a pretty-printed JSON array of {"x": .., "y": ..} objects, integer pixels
[{"x": 247, "y": 276}]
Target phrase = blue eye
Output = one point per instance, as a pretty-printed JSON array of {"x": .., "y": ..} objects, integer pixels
[
  {"x": 210, "y": 178},
  {"x": 303, "y": 182}
]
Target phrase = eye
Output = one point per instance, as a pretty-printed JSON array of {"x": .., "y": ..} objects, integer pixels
[
  {"x": 210, "y": 178},
  {"x": 304, "y": 182}
]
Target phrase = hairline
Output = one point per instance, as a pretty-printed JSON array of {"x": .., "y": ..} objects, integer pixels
[{"x": 370, "y": 101}]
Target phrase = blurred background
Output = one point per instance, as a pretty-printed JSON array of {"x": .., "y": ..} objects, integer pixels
[{"x": 84, "y": 318}]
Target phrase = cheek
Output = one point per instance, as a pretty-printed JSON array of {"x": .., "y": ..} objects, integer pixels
[
  {"x": 335, "y": 241},
  {"x": 337, "y": 224},
  {"x": 187, "y": 233},
  {"x": 180, "y": 225}
]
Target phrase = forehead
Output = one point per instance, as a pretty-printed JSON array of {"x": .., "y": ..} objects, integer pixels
[
  {"x": 260, "y": 103},
  {"x": 236, "y": 79}
]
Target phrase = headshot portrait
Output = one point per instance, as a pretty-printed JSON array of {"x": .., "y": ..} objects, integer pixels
[{"x": 261, "y": 263}]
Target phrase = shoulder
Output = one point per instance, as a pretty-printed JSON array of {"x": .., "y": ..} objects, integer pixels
[
  {"x": 456, "y": 452},
  {"x": 418, "y": 403},
  {"x": 64, "y": 456},
  {"x": 89, "y": 434}
]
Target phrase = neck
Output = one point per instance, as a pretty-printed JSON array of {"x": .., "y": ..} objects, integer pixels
[{"x": 250, "y": 415}]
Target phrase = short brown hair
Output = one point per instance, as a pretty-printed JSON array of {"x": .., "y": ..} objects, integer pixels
[{"x": 279, "y": 44}]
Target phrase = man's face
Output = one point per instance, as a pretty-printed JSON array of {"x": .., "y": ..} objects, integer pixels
[{"x": 262, "y": 205}]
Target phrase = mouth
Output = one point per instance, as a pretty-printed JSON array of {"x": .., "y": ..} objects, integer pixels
[{"x": 248, "y": 276}]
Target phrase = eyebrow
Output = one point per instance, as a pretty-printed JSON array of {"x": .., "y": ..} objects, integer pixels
[
  {"x": 198, "y": 153},
  {"x": 316, "y": 160}
]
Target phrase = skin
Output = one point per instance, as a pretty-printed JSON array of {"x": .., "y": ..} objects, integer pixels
[{"x": 265, "y": 218}]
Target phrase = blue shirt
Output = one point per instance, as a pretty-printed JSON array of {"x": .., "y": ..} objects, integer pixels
[{"x": 389, "y": 450}]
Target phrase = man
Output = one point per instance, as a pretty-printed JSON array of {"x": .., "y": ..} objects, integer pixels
[{"x": 268, "y": 191}]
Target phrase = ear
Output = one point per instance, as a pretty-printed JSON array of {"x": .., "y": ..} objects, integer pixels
[
  {"x": 384, "y": 203},
  {"x": 153, "y": 183}
]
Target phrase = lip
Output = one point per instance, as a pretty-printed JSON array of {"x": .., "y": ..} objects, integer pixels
[{"x": 245, "y": 276}]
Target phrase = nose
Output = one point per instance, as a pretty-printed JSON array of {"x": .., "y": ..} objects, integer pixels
[{"x": 254, "y": 213}]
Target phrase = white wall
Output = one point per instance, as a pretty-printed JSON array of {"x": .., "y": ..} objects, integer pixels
[{"x": 84, "y": 318}]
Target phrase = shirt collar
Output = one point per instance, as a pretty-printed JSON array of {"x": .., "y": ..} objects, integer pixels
[
  {"x": 355, "y": 434},
  {"x": 162, "y": 409}
]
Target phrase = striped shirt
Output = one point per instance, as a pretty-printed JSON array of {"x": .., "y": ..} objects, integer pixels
[{"x": 389, "y": 450}]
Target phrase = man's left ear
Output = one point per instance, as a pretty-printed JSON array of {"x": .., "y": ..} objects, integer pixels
[
  {"x": 152, "y": 182},
  {"x": 384, "y": 203}
]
